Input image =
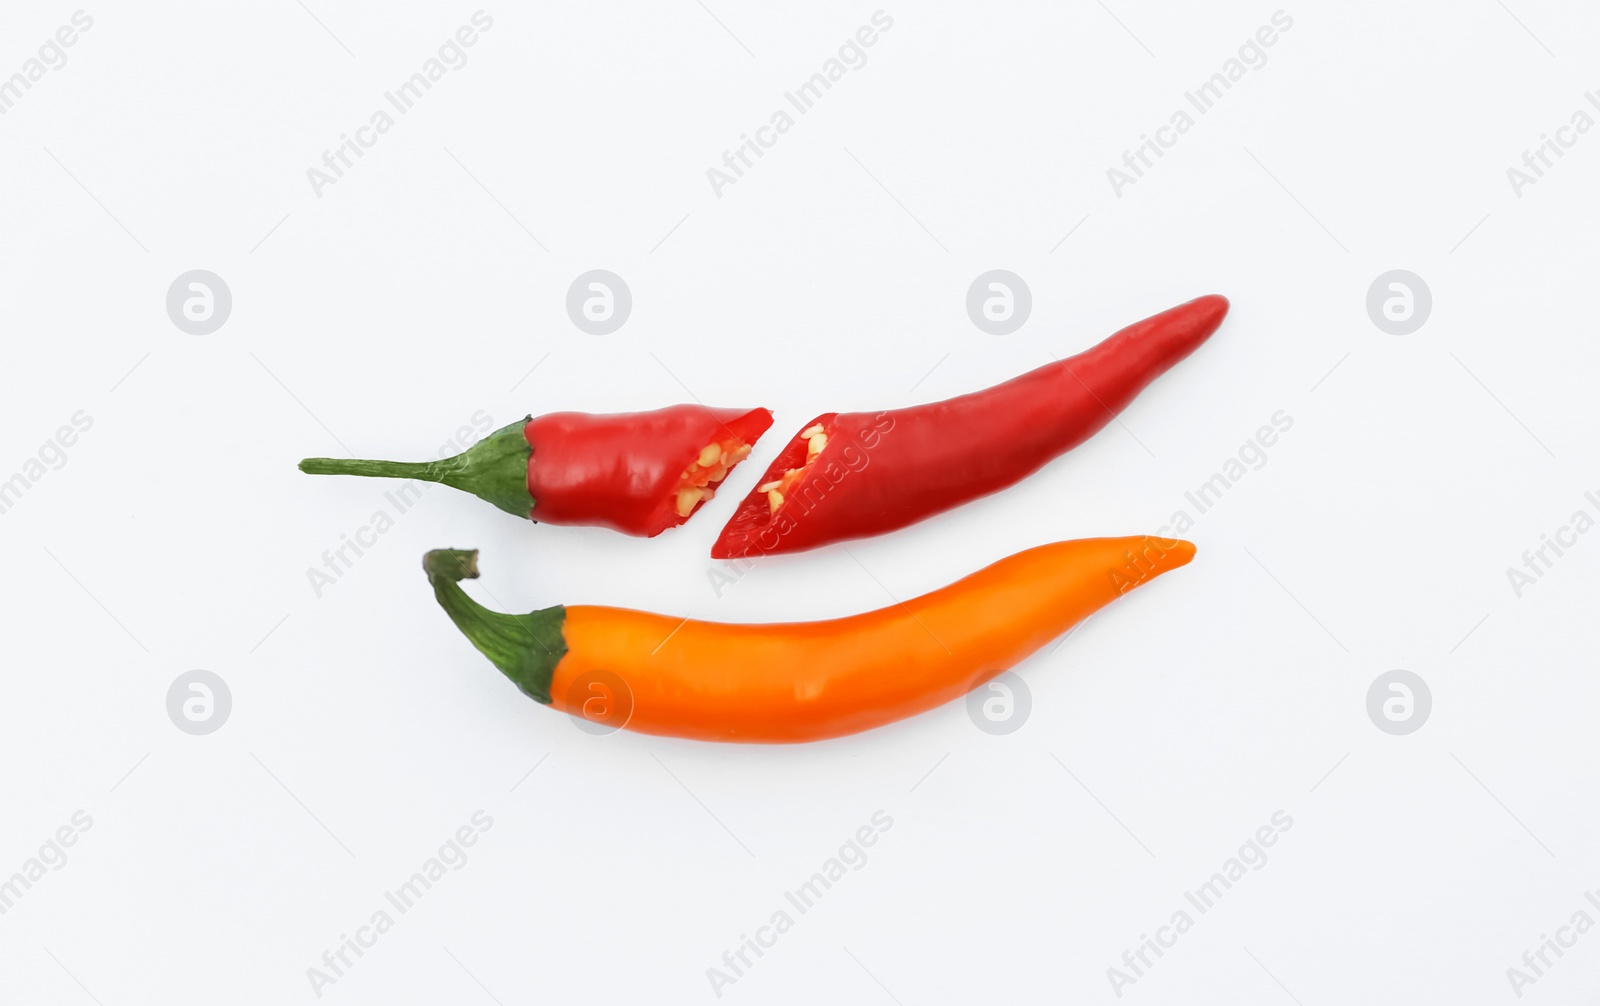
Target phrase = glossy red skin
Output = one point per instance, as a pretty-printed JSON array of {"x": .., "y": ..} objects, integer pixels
[
  {"x": 620, "y": 470},
  {"x": 881, "y": 471}
]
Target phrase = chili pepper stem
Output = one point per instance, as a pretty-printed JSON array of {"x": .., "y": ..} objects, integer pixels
[
  {"x": 526, "y": 648},
  {"x": 426, "y": 471},
  {"x": 494, "y": 469}
]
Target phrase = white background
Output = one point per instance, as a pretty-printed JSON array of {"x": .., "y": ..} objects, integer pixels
[{"x": 379, "y": 317}]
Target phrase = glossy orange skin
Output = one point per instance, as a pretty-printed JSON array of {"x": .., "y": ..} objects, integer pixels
[{"x": 807, "y": 681}]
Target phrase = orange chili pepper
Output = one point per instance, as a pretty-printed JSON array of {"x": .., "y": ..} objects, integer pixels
[{"x": 799, "y": 681}]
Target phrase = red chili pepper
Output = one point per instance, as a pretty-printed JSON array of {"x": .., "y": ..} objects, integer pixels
[
  {"x": 635, "y": 472},
  {"x": 852, "y": 475}
]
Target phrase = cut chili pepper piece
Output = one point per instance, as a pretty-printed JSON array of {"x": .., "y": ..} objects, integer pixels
[
  {"x": 798, "y": 681},
  {"x": 639, "y": 473},
  {"x": 880, "y": 471},
  {"x": 635, "y": 472}
]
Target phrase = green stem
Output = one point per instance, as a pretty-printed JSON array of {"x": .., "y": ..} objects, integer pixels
[
  {"x": 494, "y": 469},
  {"x": 427, "y": 471},
  {"x": 526, "y": 648}
]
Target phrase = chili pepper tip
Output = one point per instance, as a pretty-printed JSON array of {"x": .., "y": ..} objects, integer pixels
[
  {"x": 1181, "y": 546},
  {"x": 451, "y": 564}
]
